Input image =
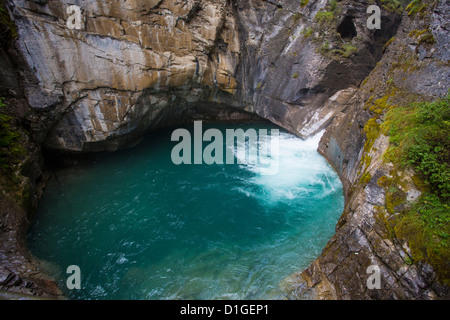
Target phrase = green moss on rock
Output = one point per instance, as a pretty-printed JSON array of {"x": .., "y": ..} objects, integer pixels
[
  {"x": 372, "y": 130},
  {"x": 365, "y": 179},
  {"x": 5, "y": 21},
  {"x": 419, "y": 140}
]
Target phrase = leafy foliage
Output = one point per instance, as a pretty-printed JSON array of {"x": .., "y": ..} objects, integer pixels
[
  {"x": 7, "y": 27},
  {"x": 416, "y": 6},
  {"x": 304, "y": 3},
  {"x": 427, "y": 228},
  {"x": 430, "y": 156},
  {"x": 8, "y": 139},
  {"x": 392, "y": 5},
  {"x": 420, "y": 139},
  {"x": 346, "y": 50}
]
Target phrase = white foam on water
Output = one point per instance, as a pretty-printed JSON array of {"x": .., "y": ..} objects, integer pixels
[
  {"x": 302, "y": 171},
  {"x": 161, "y": 253}
]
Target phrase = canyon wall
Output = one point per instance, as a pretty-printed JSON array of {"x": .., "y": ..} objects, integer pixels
[
  {"x": 410, "y": 71},
  {"x": 136, "y": 65}
]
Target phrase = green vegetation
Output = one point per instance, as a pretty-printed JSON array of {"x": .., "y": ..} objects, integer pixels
[
  {"x": 346, "y": 50},
  {"x": 5, "y": 21},
  {"x": 395, "y": 196},
  {"x": 426, "y": 227},
  {"x": 9, "y": 146},
  {"x": 327, "y": 21},
  {"x": 392, "y": 5},
  {"x": 333, "y": 5},
  {"x": 424, "y": 37},
  {"x": 297, "y": 17},
  {"x": 324, "y": 17},
  {"x": 325, "y": 47},
  {"x": 420, "y": 139},
  {"x": 372, "y": 130},
  {"x": 365, "y": 179},
  {"x": 416, "y": 6},
  {"x": 420, "y": 7},
  {"x": 387, "y": 44},
  {"x": 331, "y": 9},
  {"x": 304, "y": 3},
  {"x": 308, "y": 32}
]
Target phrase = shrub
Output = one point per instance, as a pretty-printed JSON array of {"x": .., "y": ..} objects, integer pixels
[
  {"x": 420, "y": 139},
  {"x": 427, "y": 228},
  {"x": 416, "y": 6},
  {"x": 430, "y": 156},
  {"x": 392, "y": 5},
  {"x": 8, "y": 139},
  {"x": 324, "y": 17},
  {"x": 7, "y": 27},
  {"x": 346, "y": 50},
  {"x": 304, "y": 3},
  {"x": 308, "y": 32}
]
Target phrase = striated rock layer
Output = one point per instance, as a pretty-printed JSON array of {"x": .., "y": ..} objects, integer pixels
[
  {"x": 137, "y": 65},
  {"x": 120, "y": 74},
  {"x": 134, "y": 65}
]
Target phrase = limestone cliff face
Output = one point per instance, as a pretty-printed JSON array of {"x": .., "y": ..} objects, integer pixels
[
  {"x": 136, "y": 65},
  {"x": 111, "y": 79}
]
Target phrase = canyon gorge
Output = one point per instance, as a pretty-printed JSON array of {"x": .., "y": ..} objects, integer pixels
[{"x": 136, "y": 66}]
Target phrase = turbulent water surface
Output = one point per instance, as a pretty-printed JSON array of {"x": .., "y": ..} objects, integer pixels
[{"x": 141, "y": 227}]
